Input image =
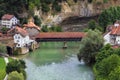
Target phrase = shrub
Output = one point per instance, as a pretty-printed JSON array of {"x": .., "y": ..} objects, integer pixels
[
  {"x": 16, "y": 65},
  {"x": 15, "y": 76},
  {"x": 104, "y": 68},
  {"x": 2, "y": 48}
]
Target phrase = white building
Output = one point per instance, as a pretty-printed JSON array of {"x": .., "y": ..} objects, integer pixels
[
  {"x": 9, "y": 21},
  {"x": 21, "y": 37},
  {"x": 113, "y": 36}
]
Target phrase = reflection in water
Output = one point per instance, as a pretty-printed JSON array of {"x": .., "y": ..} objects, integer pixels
[{"x": 56, "y": 64}]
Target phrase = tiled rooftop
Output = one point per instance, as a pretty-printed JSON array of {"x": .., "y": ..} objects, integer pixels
[{"x": 61, "y": 35}]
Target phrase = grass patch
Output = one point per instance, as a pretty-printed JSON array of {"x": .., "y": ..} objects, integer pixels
[{"x": 2, "y": 68}]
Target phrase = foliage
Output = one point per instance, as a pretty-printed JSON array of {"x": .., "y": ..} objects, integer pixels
[
  {"x": 105, "y": 52},
  {"x": 2, "y": 48},
  {"x": 15, "y": 76},
  {"x": 104, "y": 68},
  {"x": 16, "y": 51},
  {"x": 55, "y": 28},
  {"x": 16, "y": 65},
  {"x": 56, "y": 6},
  {"x": 115, "y": 74},
  {"x": 109, "y": 16},
  {"x": 105, "y": 1},
  {"x": 92, "y": 24},
  {"x": 2, "y": 68},
  {"x": 45, "y": 28},
  {"x": 4, "y": 30},
  {"x": 37, "y": 20},
  {"x": 90, "y": 1},
  {"x": 23, "y": 20},
  {"x": 45, "y": 8},
  {"x": 90, "y": 45}
]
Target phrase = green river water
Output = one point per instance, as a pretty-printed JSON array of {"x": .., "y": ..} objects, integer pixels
[{"x": 51, "y": 62}]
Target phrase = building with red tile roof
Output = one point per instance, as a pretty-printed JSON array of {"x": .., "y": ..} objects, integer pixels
[
  {"x": 113, "y": 36},
  {"x": 31, "y": 28},
  {"x": 7, "y": 17},
  {"x": 17, "y": 30},
  {"x": 9, "y": 21}
]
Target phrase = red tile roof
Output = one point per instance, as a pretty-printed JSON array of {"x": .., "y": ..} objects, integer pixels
[
  {"x": 115, "y": 30},
  {"x": 61, "y": 35},
  {"x": 7, "y": 17},
  {"x": 31, "y": 25},
  {"x": 115, "y": 46},
  {"x": 21, "y": 31},
  {"x": 18, "y": 30}
]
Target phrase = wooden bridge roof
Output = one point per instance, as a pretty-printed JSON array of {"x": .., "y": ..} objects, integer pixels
[{"x": 60, "y": 35}]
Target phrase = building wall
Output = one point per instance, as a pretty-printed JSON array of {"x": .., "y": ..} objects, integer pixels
[
  {"x": 10, "y": 23},
  {"x": 107, "y": 38},
  {"x": 32, "y": 31},
  {"x": 20, "y": 40},
  {"x": 118, "y": 39}
]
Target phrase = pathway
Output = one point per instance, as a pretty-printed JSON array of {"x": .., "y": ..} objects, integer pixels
[{"x": 6, "y": 61}]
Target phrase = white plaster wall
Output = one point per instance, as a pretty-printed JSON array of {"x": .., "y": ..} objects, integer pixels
[
  {"x": 118, "y": 39},
  {"x": 107, "y": 38}
]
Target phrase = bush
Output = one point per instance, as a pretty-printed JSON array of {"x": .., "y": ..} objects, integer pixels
[
  {"x": 17, "y": 51},
  {"x": 45, "y": 8},
  {"x": 2, "y": 48},
  {"x": 45, "y": 28},
  {"x": 37, "y": 20},
  {"x": 16, "y": 65},
  {"x": 15, "y": 76},
  {"x": 104, "y": 68}
]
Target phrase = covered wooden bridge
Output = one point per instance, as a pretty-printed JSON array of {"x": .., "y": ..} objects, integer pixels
[{"x": 59, "y": 36}]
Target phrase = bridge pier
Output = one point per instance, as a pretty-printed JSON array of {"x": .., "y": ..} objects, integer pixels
[{"x": 65, "y": 45}]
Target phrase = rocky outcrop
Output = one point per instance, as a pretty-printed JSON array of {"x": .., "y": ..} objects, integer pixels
[{"x": 81, "y": 9}]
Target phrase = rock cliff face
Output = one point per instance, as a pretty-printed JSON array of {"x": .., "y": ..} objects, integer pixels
[{"x": 80, "y": 9}]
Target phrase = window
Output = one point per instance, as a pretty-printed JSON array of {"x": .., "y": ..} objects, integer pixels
[{"x": 18, "y": 45}]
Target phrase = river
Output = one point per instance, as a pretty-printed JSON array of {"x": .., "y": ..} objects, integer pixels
[{"x": 51, "y": 62}]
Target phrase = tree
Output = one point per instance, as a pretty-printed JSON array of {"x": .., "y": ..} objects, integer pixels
[
  {"x": 45, "y": 28},
  {"x": 37, "y": 20},
  {"x": 92, "y": 24},
  {"x": 115, "y": 74},
  {"x": 105, "y": 52},
  {"x": 15, "y": 76},
  {"x": 109, "y": 16},
  {"x": 16, "y": 65},
  {"x": 90, "y": 46},
  {"x": 103, "y": 70}
]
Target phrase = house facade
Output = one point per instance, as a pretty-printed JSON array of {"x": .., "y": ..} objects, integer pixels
[
  {"x": 113, "y": 36},
  {"x": 9, "y": 21},
  {"x": 31, "y": 28}
]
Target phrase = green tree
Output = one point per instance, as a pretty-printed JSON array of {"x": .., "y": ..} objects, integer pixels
[
  {"x": 92, "y": 24},
  {"x": 4, "y": 30},
  {"x": 105, "y": 52},
  {"x": 45, "y": 8},
  {"x": 45, "y": 28},
  {"x": 90, "y": 46},
  {"x": 115, "y": 74},
  {"x": 109, "y": 16},
  {"x": 104, "y": 68},
  {"x": 15, "y": 65},
  {"x": 15, "y": 76},
  {"x": 37, "y": 20}
]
